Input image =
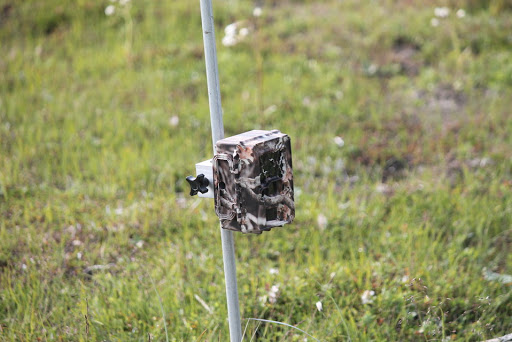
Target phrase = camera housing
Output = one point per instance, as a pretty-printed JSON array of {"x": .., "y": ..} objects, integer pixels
[{"x": 253, "y": 181}]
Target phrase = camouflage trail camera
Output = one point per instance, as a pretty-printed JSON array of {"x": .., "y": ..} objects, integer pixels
[{"x": 252, "y": 181}]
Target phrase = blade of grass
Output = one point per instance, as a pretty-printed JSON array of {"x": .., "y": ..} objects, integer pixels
[
  {"x": 161, "y": 308},
  {"x": 281, "y": 323}
]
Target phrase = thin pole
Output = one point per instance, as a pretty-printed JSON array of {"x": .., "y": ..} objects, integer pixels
[{"x": 228, "y": 246}]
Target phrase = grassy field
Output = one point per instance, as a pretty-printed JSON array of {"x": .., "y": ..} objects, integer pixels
[{"x": 400, "y": 117}]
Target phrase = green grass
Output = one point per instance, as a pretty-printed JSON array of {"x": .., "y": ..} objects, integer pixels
[{"x": 416, "y": 206}]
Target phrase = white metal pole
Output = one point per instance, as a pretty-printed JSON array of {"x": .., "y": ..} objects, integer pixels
[{"x": 228, "y": 246}]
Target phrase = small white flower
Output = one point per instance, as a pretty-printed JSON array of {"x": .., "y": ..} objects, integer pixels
[
  {"x": 229, "y": 41},
  {"x": 273, "y": 294},
  {"x": 382, "y": 188},
  {"x": 230, "y": 30},
  {"x": 339, "y": 141},
  {"x": 109, "y": 10},
  {"x": 273, "y": 271},
  {"x": 23, "y": 266},
  {"x": 441, "y": 12},
  {"x": 319, "y": 306},
  {"x": 461, "y": 13},
  {"x": 366, "y": 298},
  {"x": 244, "y": 31},
  {"x": 174, "y": 120},
  {"x": 234, "y": 34},
  {"x": 372, "y": 69},
  {"x": 139, "y": 244},
  {"x": 322, "y": 221},
  {"x": 434, "y": 22},
  {"x": 257, "y": 12},
  {"x": 79, "y": 256},
  {"x": 123, "y": 2}
]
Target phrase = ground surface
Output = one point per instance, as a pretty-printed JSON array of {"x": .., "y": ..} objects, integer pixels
[{"x": 400, "y": 118}]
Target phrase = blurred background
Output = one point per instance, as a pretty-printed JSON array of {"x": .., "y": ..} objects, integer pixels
[{"x": 400, "y": 118}]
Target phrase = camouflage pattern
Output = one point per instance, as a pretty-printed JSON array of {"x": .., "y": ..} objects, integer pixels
[{"x": 253, "y": 181}]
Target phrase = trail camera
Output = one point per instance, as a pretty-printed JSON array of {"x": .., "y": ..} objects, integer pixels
[{"x": 252, "y": 181}]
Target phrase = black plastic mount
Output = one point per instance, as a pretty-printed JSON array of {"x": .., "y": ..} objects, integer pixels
[{"x": 198, "y": 184}]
